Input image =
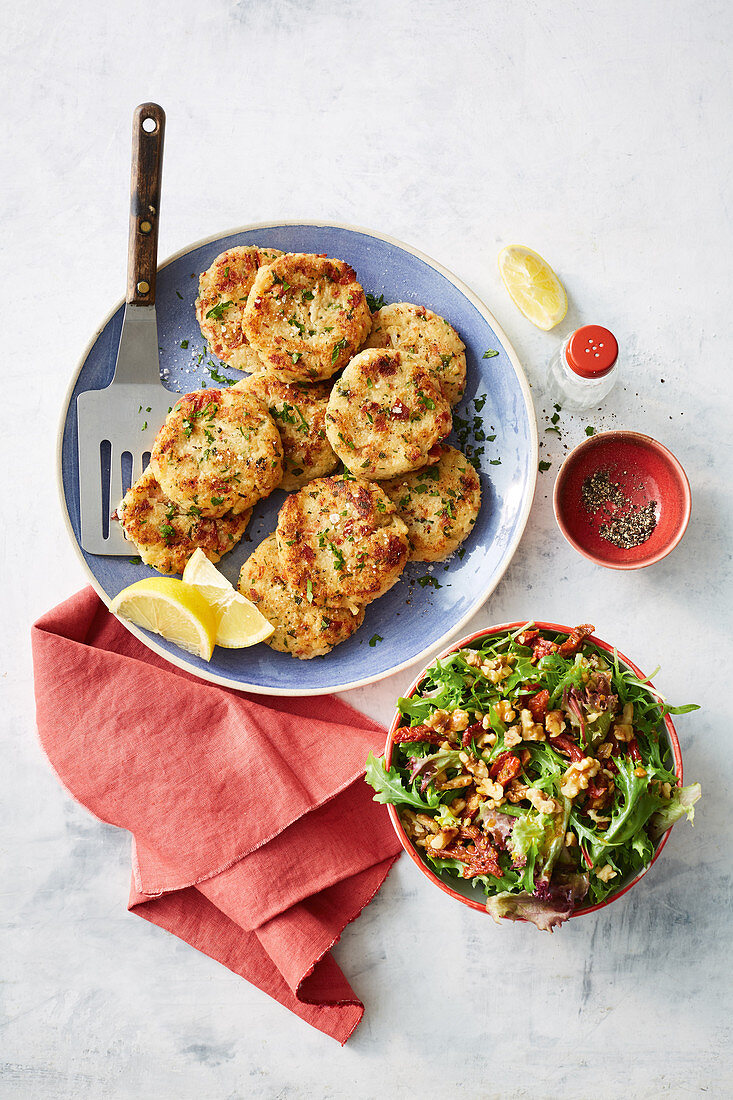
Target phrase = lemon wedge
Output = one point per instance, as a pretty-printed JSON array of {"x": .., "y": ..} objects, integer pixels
[
  {"x": 175, "y": 610},
  {"x": 533, "y": 286},
  {"x": 239, "y": 623}
]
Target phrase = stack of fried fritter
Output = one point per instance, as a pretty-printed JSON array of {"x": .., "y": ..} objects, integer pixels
[{"x": 295, "y": 321}]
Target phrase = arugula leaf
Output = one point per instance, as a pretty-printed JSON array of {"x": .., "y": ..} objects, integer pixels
[{"x": 389, "y": 787}]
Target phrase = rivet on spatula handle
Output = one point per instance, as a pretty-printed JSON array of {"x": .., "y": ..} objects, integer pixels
[{"x": 148, "y": 130}]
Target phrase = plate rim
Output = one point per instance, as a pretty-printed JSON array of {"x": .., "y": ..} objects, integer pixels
[{"x": 438, "y": 644}]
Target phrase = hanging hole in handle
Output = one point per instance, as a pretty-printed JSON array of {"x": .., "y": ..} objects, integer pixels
[{"x": 149, "y": 125}]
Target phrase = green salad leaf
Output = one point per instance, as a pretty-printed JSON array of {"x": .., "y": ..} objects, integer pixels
[{"x": 389, "y": 787}]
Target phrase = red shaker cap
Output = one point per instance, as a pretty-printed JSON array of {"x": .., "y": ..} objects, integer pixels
[{"x": 592, "y": 351}]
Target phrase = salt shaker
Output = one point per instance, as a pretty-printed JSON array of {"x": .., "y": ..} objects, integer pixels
[{"x": 583, "y": 370}]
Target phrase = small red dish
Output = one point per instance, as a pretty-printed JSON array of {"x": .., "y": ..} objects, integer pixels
[
  {"x": 470, "y": 898},
  {"x": 645, "y": 472}
]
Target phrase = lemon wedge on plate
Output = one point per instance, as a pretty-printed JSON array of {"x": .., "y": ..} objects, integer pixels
[
  {"x": 533, "y": 286},
  {"x": 239, "y": 622},
  {"x": 175, "y": 610}
]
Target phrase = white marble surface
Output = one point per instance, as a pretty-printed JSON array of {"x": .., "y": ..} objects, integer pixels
[{"x": 597, "y": 133}]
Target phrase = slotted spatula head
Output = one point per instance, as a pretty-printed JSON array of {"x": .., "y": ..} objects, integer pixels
[{"x": 117, "y": 425}]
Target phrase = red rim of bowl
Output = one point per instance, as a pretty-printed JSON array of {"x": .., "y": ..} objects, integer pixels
[
  {"x": 397, "y": 824},
  {"x": 676, "y": 465}
]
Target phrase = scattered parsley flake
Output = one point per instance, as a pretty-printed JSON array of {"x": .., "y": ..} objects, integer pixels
[
  {"x": 217, "y": 311},
  {"x": 374, "y": 304},
  {"x": 426, "y": 581},
  {"x": 490, "y": 354},
  {"x": 374, "y": 639}
]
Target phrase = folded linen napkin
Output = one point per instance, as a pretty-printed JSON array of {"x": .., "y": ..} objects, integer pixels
[{"x": 255, "y": 838}]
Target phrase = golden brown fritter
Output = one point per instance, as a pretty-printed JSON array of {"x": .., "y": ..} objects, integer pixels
[
  {"x": 306, "y": 316},
  {"x": 418, "y": 330},
  {"x": 302, "y": 629},
  {"x": 439, "y": 504},
  {"x": 166, "y": 534},
  {"x": 218, "y": 450},
  {"x": 223, "y": 291},
  {"x": 341, "y": 542},
  {"x": 385, "y": 414},
  {"x": 299, "y": 412}
]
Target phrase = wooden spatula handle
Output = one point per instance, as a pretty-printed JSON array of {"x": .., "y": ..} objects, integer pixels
[{"x": 148, "y": 129}]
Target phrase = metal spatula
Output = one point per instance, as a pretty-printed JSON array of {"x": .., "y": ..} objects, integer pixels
[{"x": 117, "y": 425}]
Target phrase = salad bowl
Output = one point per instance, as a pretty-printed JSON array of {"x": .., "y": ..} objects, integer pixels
[{"x": 463, "y": 889}]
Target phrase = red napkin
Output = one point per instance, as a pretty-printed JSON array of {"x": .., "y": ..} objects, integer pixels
[{"x": 255, "y": 838}]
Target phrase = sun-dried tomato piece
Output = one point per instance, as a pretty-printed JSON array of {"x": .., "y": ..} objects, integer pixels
[
  {"x": 418, "y": 733},
  {"x": 598, "y": 789},
  {"x": 478, "y": 858},
  {"x": 634, "y": 750},
  {"x": 567, "y": 746},
  {"x": 507, "y": 766},
  {"x": 470, "y": 733},
  {"x": 528, "y": 636},
  {"x": 577, "y": 636},
  {"x": 537, "y": 705},
  {"x": 542, "y": 649}
]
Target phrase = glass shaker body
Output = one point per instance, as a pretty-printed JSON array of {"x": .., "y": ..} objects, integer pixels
[{"x": 582, "y": 372}]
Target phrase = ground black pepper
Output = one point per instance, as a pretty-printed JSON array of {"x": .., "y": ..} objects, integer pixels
[{"x": 628, "y": 524}]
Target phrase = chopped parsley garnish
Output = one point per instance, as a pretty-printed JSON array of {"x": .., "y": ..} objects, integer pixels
[
  {"x": 337, "y": 348},
  {"x": 217, "y": 312},
  {"x": 309, "y": 591},
  {"x": 590, "y": 431},
  {"x": 339, "y": 562},
  {"x": 490, "y": 354},
  {"x": 544, "y": 466},
  {"x": 220, "y": 378},
  {"x": 426, "y": 581},
  {"x": 216, "y": 501},
  {"x": 184, "y": 344},
  {"x": 374, "y": 304},
  {"x": 374, "y": 639},
  {"x": 296, "y": 324}
]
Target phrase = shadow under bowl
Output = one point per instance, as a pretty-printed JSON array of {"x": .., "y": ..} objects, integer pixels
[{"x": 647, "y": 473}]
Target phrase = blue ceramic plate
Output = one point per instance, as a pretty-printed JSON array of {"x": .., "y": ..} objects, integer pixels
[{"x": 430, "y": 603}]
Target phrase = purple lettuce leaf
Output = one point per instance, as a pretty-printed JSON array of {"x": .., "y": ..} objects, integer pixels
[{"x": 550, "y": 904}]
